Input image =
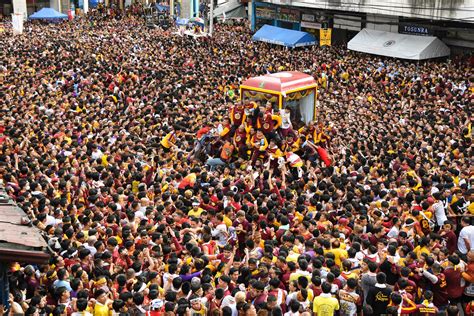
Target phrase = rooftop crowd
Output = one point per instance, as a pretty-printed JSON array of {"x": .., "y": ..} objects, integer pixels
[{"x": 161, "y": 193}]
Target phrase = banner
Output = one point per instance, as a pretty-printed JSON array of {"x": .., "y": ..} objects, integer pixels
[
  {"x": 311, "y": 25},
  {"x": 17, "y": 23},
  {"x": 325, "y": 37}
]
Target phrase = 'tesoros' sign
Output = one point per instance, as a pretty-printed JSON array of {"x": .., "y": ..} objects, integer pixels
[{"x": 414, "y": 29}]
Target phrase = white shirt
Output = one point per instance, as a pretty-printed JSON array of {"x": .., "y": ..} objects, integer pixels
[
  {"x": 440, "y": 213},
  {"x": 221, "y": 232},
  {"x": 91, "y": 248},
  {"x": 467, "y": 233},
  {"x": 139, "y": 214},
  {"x": 50, "y": 220},
  {"x": 290, "y": 297},
  {"x": 285, "y": 120},
  {"x": 230, "y": 302},
  {"x": 97, "y": 154},
  {"x": 393, "y": 233}
]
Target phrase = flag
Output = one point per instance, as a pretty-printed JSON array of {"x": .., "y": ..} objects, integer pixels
[
  {"x": 294, "y": 160},
  {"x": 323, "y": 154}
]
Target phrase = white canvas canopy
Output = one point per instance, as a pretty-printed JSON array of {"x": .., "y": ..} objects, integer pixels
[{"x": 398, "y": 45}]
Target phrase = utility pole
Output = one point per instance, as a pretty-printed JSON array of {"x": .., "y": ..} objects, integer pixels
[{"x": 211, "y": 18}]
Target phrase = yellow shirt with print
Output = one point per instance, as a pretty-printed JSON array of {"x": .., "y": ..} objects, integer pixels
[{"x": 325, "y": 305}]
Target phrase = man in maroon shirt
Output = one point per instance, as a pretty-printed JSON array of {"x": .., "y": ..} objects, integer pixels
[
  {"x": 453, "y": 279},
  {"x": 234, "y": 201},
  {"x": 405, "y": 284},
  {"x": 377, "y": 234},
  {"x": 403, "y": 240},
  {"x": 449, "y": 236},
  {"x": 427, "y": 308},
  {"x": 259, "y": 295},
  {"x": 223, "y": 283},
  {"x": 242, "y": 226},
  {"x": 226, "y": 255},
  {"x": 439, "y": 285}
]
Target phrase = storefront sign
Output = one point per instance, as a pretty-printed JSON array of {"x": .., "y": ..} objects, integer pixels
[
  {"x": 308, "y": 17},
  {"x": 325, "y": 37},
  {"x": 288, "y": 15},
  {"x": 310, "y": 25},
  {"x": 414, "y": 29},
  {"x": 265, "y": 13}
]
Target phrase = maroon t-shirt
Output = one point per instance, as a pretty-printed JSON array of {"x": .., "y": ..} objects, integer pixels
[
  {"x": 451, "y": 241},
  {"x": 427, "y": 310},
  {"x": 241, "y": 235},
  {"x": 453, "y": 281}
]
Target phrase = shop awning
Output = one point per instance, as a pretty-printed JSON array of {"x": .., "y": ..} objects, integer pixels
[
  {"x": 48, "y": 14},
  {"x": 281, "y": 36},
  {"x": 397, "y": 45}
]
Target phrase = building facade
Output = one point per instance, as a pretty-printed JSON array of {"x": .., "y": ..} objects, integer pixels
[{"x": 450, "y": 20}]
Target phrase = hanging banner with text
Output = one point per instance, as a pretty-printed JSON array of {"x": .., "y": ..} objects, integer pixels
[{"x": 325, "y": 37}]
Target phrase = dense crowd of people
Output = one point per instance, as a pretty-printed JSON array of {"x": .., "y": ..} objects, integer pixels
[{"x": 161, "y": 193}]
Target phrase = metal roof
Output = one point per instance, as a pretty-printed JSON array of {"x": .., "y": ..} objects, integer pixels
[{"x": 19, "y": 242}]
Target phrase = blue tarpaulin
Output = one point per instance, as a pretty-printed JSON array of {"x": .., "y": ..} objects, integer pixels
[
  {"x": 281, "y": 36},
  {"x": 48, "y": 14},
  {"x": 182, "y": 21},
  {"x": 162, "y": 8}
]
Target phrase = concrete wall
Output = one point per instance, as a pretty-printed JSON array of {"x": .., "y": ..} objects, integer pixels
[
  {"x": 352, "y": 23},
  {"x": 186, "y": 9},
  {"x": 189, "y": 8},
  {"x": 55, "y": 4},
  {"x": 425, "y": 9},
  {"x": 382, "y": 23}
]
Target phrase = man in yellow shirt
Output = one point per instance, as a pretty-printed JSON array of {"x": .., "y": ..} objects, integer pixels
[
  {"x": 339, "y": 253},
  {"x": 325, "y": 304},
  {"x": 101, "y": 307},
  {"x": 196, "y": 210},
  {"x": 169, "y": 140}
]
